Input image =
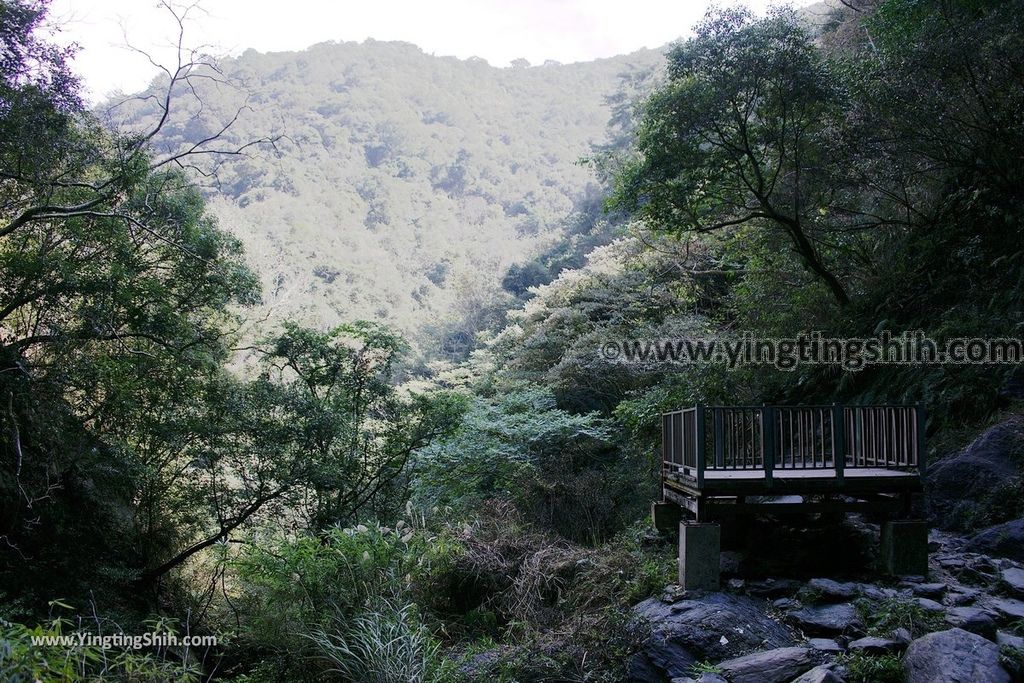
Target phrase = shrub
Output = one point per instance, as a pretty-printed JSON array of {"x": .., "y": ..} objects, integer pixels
[
  {"x": 388, "y": 644},
  {"x": 25, "y": 661},
  {"x": 884, "y": 617},
  {"x": 862, "y": 668},
  {"x": 327, "y": 583}
]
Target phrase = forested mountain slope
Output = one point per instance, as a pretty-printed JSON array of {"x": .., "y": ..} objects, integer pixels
[{"x": 403, "y": 185}]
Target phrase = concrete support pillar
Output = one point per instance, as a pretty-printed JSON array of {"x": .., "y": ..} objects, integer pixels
[
  {"x": 904, "y": 550},
  {"x": 666, "y": 515},
  {"x": 699, "y": 548}
]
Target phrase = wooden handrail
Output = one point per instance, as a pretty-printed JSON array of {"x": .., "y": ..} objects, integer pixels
[{"x": 773, "y": 439}]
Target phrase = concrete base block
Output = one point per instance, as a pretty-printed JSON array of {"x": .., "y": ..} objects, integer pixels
[
  {"x": 666, "y": 516},
  {"x": 699, "y": 548},
  {"x": 904, "y": 550}
]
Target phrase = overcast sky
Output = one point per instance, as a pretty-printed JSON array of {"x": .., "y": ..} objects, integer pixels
[{"x": 497, "y": 30}]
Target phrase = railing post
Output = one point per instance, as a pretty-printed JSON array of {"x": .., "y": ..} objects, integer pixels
[
  {"x": 719, "y": 437},
  {"x": 698, "y": 450},
  {"x": 768, "y": 437},
  {"x": 921, "y": 451},
  {"x": 666, "y": 446},
  {"x": 838, "y": 440}
]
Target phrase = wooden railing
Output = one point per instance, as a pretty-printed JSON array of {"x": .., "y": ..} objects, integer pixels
[{"x": 775, "y": 438}]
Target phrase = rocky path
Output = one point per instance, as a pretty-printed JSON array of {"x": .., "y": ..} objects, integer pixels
[{"x": 963, "y": 623}]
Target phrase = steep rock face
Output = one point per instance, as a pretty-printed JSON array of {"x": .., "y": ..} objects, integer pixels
[
  {"x": 953, "y": 656},
  {"x": 965, "y": 486},
  {"x": 712, "y": 627}
]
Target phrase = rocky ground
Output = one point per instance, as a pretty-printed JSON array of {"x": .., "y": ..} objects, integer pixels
[{"x": 962, "y": 623}]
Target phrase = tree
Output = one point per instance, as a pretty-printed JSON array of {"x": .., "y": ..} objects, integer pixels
[
  {"x": 322, "y": 432},
  {"x": 116, "y": 297},
  {"x": 739, "y": 136}
]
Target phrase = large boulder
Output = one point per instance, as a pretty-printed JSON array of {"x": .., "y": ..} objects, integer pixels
[
  {"x": 960, "y": 487},
  {"x": 774, "y": 666},
  {"x": 953, "y": 656},
  {"x": 713, "y": 627},
  {"x": 1001, "y": 540}
]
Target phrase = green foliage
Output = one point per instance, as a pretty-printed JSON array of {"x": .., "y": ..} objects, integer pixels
[
  {"x": 117, "y": 289},
  {"x": 863, "y": 668},
  {"x": 306, "y": 596},
  {"x": 387, "y": 645},
  {"x": 705, "y": 668},
  {"x": 28, "y": 655},
  {"x": 737, "y": 137},
  {"x": 558, "y": 467},
  {"x": 1012, "y": 659},
  {"x": 349, "y": 430},
  {"x": 862, "y": 180},
  {"x": 882, "y": 618},
  {"x": 407, "y": 184}
]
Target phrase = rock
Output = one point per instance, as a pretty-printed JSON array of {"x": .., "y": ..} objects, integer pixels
[
  {"x": 736, "y": 585},
  {"x": 673, "y": 593},
  {"x": 1013, "y": 580},
  {"x": 827, "y": 590},
  {"x": 1008, "y": 608},
  {"x": 1001, "y": 540},
  {"x": 824, "y": 645},
  {"x": 773, "y": 666},
  {"x": 953, "y": 563},
  {"x": 711, "y": 678},
  {"x": 876, "y": 646},
  {"x": 730, "y": 562},
  {"x": 819, "y": 674},
  {"x": 704, "y": 678},
  {"x": 1004, "y": 639},
  {"x": 930, "y": 605},
  {"x": 1013, "y": 388},
  {"x": 772, "y": 588},
  {"x": 959, "y": 486},
  {"x": 928, "y": 590},
  {"x": 876, "y": 593},
  {"x": 912, "y": 579},
  {"x": 827, "y": 620},
  {"x": 953, "y": 656},
  {"x": 785, "y": 603},
  {"x": 712, "y": 627},
  {"x": 961, "y": 596},
  {"x": 902, "y": 635},
  {"x": 972, "y": 619}
]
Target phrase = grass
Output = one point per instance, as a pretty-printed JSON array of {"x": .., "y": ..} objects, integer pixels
[
  {"x": 705, "y": 668},
  {"x": 1012, "y": 659},
  {"x": 864, "y": 668},
  {"x": 882, "y": 618},
  {"x": 383, "y": 646}
]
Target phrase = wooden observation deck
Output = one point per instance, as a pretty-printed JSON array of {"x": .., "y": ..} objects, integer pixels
[{"x": 821, "y": 458}]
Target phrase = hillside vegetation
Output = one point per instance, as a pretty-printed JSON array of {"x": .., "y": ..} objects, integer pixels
[
  {"x": 402, "y": 186},
  {"x": 429, "y": 471}
]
